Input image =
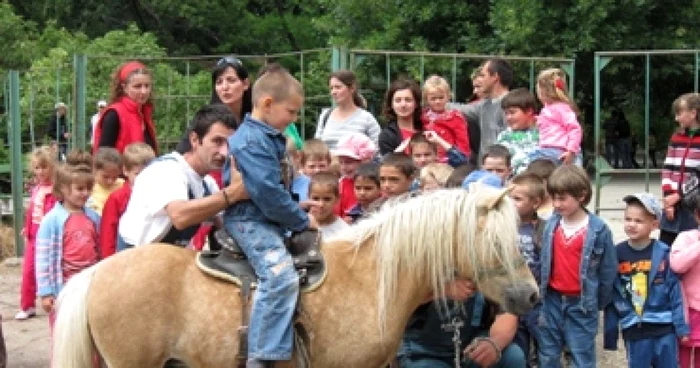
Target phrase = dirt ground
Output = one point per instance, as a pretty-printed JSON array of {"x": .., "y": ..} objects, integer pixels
[{"x": 28, "y": 341}]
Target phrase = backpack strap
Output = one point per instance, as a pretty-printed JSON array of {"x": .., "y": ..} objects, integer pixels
[{"x": 324, "y": 120}]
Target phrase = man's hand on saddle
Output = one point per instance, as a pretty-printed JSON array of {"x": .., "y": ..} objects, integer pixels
[
  {"x": 235, "y": 191},
  {"x": 459, "y": 289}
]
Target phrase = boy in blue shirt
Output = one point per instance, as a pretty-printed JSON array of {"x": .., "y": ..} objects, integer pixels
[
  {"x": 647, "y": 301},
  {"x": 259, "y": 224}
]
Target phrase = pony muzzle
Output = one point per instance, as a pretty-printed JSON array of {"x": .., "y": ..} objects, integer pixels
[{"x": 521, "y": 297}]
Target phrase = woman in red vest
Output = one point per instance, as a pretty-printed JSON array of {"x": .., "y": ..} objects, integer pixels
[{"x": 129, "y": 116}]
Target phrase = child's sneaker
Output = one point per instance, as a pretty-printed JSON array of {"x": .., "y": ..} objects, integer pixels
[{"x": 25, "y": 314}]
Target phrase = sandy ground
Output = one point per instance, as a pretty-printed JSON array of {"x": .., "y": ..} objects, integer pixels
[{"x": 28, "y": 342}]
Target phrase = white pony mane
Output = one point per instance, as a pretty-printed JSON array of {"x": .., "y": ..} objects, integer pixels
[{"x": 419, "y": 237}]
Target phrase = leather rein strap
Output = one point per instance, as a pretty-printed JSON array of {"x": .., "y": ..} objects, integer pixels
[{"x": 242, "y": 356}]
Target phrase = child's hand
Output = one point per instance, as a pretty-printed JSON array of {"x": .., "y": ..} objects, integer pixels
[
  {"x": 436, "y": 139},
  {"x": 684, "y": 339},
  {"x": 308, "y": 204},
  {"x": 47, "y": 303},
  {"x": 567, "y": 157}
]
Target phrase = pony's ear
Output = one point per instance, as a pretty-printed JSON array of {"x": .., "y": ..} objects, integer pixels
[{"x": 493, "y": 202}]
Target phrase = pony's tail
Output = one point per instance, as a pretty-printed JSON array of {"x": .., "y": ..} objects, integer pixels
[{"x": 72, "y": 343}]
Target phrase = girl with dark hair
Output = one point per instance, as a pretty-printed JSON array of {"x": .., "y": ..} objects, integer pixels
[
  {"x": 129, "y": 116},
  {"x": 231, "y": 86},
  {"x": 349, "y": 114},
  {"x": 402, "y": 109}
]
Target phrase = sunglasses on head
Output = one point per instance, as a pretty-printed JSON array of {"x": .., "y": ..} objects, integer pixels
[{"x": 229, "y": 60}]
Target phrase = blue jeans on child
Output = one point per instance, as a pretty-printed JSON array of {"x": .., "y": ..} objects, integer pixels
[
  {"x": 527, "y": 333},
  {"x": 563, "y": 322},
  {"x": 552, "y": 154},
  {"x": 270, "y": 335},
  {"x": 658, "y": 352}
]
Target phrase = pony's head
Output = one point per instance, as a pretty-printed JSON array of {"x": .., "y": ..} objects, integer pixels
[{"x": 439, "y": 236}]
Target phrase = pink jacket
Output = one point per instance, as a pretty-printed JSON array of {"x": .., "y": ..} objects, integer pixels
[
  {"x": 559, "y": 127},
  {"x": 685, "y": 261}
]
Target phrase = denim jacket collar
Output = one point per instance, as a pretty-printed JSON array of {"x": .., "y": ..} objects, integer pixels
[{"x": 266, "y": 128}]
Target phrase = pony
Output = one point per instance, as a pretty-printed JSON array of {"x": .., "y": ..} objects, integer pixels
[{"x": 150, "y": 304}]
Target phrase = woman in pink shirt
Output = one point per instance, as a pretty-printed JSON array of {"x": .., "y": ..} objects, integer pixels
[{"x": 560, "y": 132}]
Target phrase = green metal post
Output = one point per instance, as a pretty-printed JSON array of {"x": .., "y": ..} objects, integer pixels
[
  {"x": 303, "y": 107},
  {"x": 422, "y": 68},
  {"x": 388, "y": 70},
  {"x": 454, "y": 75},
  {"x": 647, "y": 87},
  {"x": 335, "y": 59},
  {"x": 596, "y": 128},
  {"x": 187, "y": 92},
  {"x": 15, "y": 132},
  {"x": 573, "y": 79},
  {"x": 80, "y": 66},
  {"x": 532, "y": 76},
  {"x": 697, "y": 65},
  {"x": 58, "y": 83},
  {"x": 31, "y": 111}
]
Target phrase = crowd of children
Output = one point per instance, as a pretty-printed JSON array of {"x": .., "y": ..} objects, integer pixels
[{"x": 645, "y": 285}]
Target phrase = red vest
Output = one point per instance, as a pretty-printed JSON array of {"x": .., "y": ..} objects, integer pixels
[{"x": 131, "y": 124}]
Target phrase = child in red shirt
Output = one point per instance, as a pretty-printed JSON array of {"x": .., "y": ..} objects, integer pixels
[
  {"x": 41, "y": 201},
  {"x": 579, "y": 268},
  {"x": 136, "y": 157},
  {"x": 353, "y": 150},
  {"x": 450, "y": 125}
]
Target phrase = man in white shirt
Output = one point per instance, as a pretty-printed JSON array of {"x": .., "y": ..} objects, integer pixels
[
  {"x": 101, "y": 105},
  {"x": 174, "y": 195}
]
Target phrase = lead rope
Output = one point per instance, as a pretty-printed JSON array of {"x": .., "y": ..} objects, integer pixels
[
  {"x": 242, "y": 357},
  {"x": 456, "y": 325}
]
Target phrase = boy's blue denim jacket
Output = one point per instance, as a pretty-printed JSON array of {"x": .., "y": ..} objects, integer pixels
[
  {"x": 664, "y": 302},
  {"x": 598, "y": 269},
  {"x": 258, "y": 150}
]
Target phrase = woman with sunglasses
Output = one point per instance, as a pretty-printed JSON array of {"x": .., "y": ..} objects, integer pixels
[{"x": 129, "y": 116}]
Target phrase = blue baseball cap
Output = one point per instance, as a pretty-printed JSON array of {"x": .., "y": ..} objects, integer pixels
[
  {"x": 650, "y": 203},
  {"x": 484, "y": 177}
]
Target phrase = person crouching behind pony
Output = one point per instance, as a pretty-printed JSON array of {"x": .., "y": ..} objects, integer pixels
[
  {"x": 68, "y": 235},
  {"x": 259, "y": 224},
  {"x": 647, "y": 301},
  {"x": 579, "y": 268}
]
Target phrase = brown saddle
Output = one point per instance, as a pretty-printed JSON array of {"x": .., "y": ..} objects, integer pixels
[{"x": 231, "y": 264}]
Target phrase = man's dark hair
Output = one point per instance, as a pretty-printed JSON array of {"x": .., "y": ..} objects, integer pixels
[
  {"x": 504, "y": 70},
  {"x": 202, "y": 122}
]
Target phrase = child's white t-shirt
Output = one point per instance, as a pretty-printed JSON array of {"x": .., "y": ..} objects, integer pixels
[{"x": 334, "y": 228}]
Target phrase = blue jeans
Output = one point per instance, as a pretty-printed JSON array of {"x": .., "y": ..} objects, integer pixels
[
  {"x": 563, "y": 322},
  {"x": 270, "y": 335},
  {"x": 527, "y": 332},
  {"x": 658, "y": 352},
  {"x": 552, "y": 154},
  {"x": 511, "y": 357}
]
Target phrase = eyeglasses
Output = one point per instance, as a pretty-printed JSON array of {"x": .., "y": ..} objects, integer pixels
[{"x": 229, "y": 60}]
